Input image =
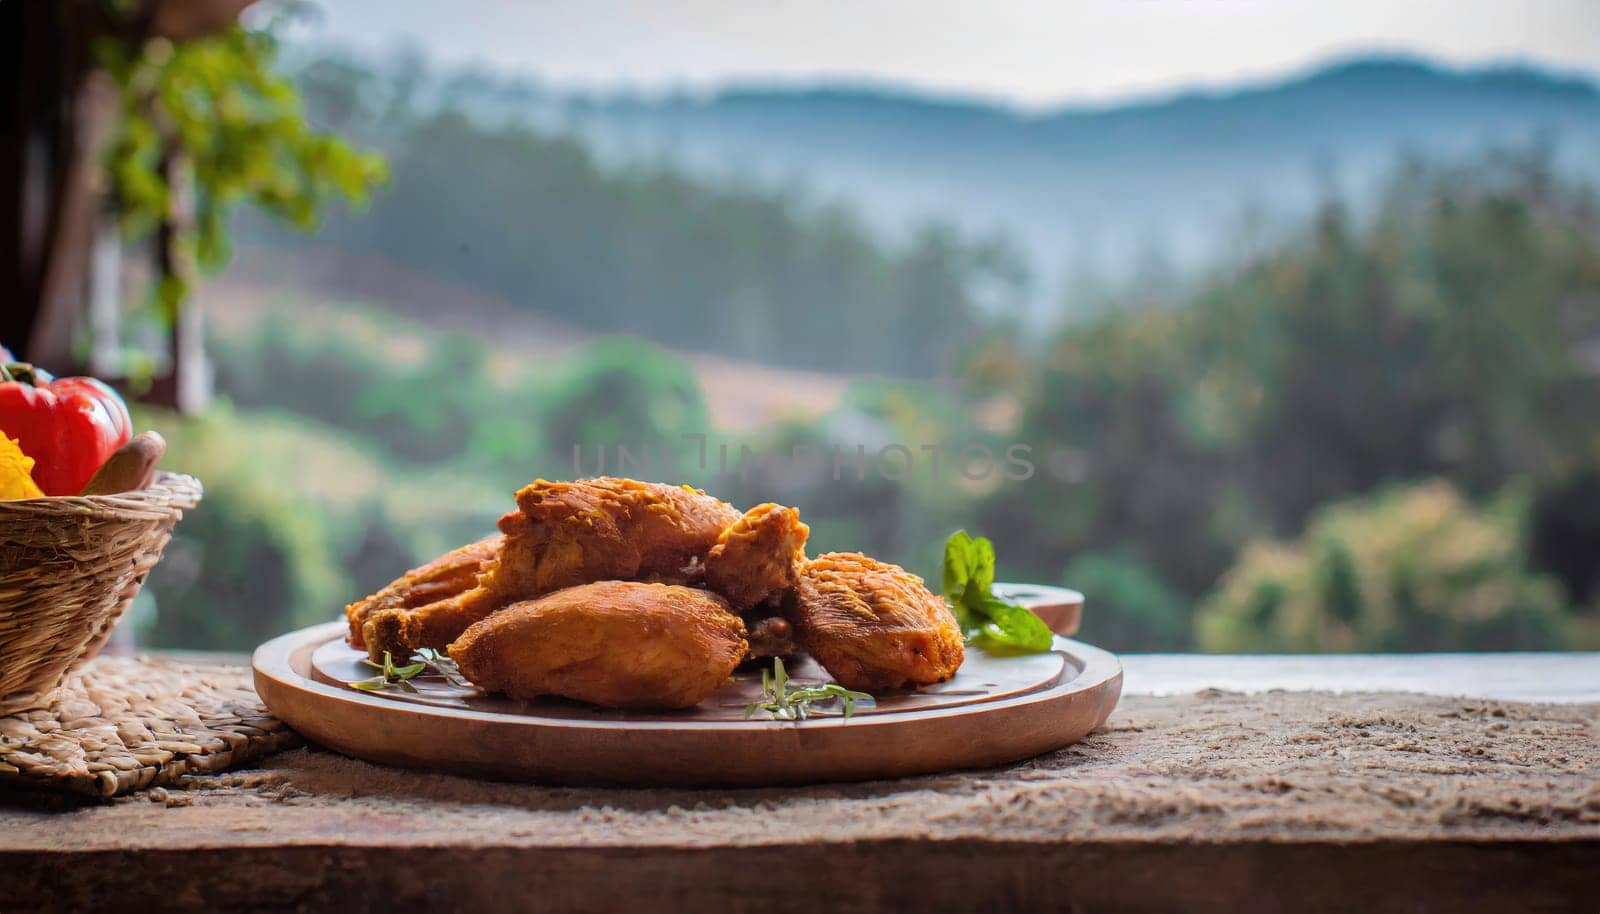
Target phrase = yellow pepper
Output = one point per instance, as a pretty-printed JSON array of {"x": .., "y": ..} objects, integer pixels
[{"x": 16, "y": 472}]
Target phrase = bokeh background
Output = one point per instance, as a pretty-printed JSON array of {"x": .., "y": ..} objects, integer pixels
[{"x": 1298, "y": 314}]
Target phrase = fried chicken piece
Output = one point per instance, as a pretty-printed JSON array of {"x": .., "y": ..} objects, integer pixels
[
  {"x": 569, "y": 533},
  {"x": 447, "y": 576},
  {"x": 561, "y": 535},
  {"x": 758, "y": 556},
  {"x": 617, "y": 644},
  {"x": 872, "y": 625}
]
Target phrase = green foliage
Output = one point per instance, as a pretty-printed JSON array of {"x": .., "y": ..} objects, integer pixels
[
  {"x": 258, "y": 557},
  {"x": 622, "y": 393},
  {"x": 1439, "y": 339},
  {"x": 1352, "y": 358},
  {"x": 211, "y": 119},
  {"x": 644, "y": 250},
  {"x": 420, "y": 406},
  {"x": 1106, "y": 406},
  {"x": 1443, "y": 336},
  {"x": 1129, "y": 606},
  {"x": 1413, "y": 568}
]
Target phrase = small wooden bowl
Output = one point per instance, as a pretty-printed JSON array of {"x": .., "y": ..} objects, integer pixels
[{"x": 69, "y": 567}]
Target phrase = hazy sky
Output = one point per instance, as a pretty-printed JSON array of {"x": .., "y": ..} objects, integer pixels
[{"x": 1026, "y": 53}]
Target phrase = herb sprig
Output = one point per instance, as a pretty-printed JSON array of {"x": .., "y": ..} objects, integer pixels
[
  {"x": 399, "y": 677},
  {"x": 440, "y": 663},
  {"x": 391, "y": 676},
  {"x": 785, "y": 703},
  {"x": 988, "y": 621}
]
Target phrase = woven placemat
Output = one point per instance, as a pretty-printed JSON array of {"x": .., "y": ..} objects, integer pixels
[{"x": 123, "y": 724}]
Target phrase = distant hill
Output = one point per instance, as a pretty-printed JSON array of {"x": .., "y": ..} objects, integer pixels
[{"x": 1161, "y": 184}]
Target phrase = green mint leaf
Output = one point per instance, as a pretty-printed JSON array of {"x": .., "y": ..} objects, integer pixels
[
  {"x": 957, "y": 565},
  {"x": 974, "y": 600},
  {"x": 964, "y": 619},
  {"x": 982, "y": 574},
  {"x": 1015, "y": 626},
  {"x": 987, "y": 620}
]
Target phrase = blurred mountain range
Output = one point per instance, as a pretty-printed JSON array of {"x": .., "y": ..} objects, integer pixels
[
  {"x": 1098, "y": 203},
  {"x": 1088, "y": 193}
]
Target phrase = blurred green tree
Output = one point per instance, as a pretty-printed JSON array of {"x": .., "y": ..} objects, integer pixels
[
  {"x": 640, "y": 248},
  {"x": 1128, "y": 605},
  {"x": 1413, "y": 568},
  {"x": 1450, "y": 332},
  {"x": 621, "y": 393},
  {"x": 421, "y": 408},
  {"x": 189, "y": 117},
  {"x": 1444, "y": 337},
  {"x": 207, "y": 124}
]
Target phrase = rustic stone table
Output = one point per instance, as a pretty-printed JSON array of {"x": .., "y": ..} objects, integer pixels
[{"x": 1208, "y": 800}]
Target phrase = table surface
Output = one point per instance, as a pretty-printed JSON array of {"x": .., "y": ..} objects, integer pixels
[
  {"x": 1210, "y": 789},
  {"x": 1508, "y": 676},
  {"x": 1572, "y": 676},
  {"x": 1526, "y": 676}
]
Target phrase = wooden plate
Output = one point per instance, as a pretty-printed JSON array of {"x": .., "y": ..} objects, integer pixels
[{"x": 996, "y": 710}]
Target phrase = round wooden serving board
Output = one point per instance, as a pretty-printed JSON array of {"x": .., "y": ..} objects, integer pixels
[{"x": 995, "y": 710}]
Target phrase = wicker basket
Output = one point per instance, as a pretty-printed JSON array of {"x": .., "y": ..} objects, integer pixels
[{"x": 69, "y": 567}]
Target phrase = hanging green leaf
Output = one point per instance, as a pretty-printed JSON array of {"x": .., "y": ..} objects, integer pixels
[{"x": 213, "y": 121}]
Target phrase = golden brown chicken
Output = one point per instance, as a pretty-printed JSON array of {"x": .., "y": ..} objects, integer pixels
[
  {"x": 447, "y": 576},
  {"x": 617, "y": 644},
  {"x": 873, "y": 625},
  {"x": 563, "y": 534},
  {"x": 758, "y": 556},
  {"x": 568, "y": 533}
]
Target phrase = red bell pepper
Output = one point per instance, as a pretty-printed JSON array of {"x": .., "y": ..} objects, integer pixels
[{"x": 69, "y": 426}]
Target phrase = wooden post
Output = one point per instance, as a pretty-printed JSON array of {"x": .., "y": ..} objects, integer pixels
[
  {"x": 188, "y": 386},
  {"x": 52, "y": 120}
]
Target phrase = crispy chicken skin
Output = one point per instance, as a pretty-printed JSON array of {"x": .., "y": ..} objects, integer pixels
[
  {"x": 758, "y": 556},
  {"x": 872, "y": 625},
  {"x": 617, "y": 644},
  {"x": 447, "y": 576},
  {"x": 562, "y": 534},
  {"x": 568, "y": 533}
]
